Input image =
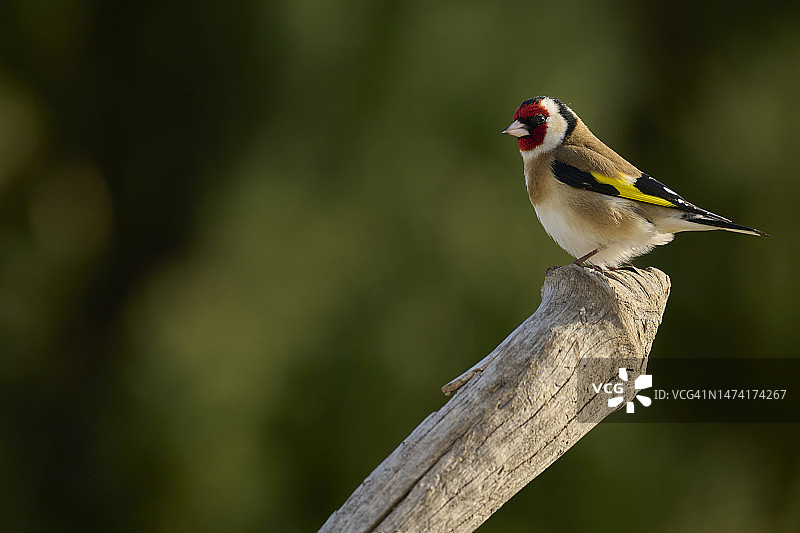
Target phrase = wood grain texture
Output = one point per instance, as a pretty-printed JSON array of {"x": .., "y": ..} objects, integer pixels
[{"x": 515, "y": 412}]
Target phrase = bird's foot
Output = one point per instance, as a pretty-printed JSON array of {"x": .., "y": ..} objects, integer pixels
[
  {"x": 626, "y": 266},
  {"x": 579, "y": 261}
]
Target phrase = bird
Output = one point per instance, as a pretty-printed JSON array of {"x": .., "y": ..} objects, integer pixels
[{"x": 597, "y": 206}]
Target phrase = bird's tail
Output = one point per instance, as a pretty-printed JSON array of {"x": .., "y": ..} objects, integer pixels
[{"x": 723, "y": 223}]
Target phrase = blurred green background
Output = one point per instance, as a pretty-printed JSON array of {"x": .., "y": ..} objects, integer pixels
[{"x": 243, "y": 245}]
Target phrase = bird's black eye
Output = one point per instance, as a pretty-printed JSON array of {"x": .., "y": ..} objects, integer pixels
[{"x": 535, "y": 121}]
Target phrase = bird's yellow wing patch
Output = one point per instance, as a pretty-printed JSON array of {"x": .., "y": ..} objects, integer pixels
[
  {"x": 626, "y": 185},
  {"x": 642, "y": 188}
]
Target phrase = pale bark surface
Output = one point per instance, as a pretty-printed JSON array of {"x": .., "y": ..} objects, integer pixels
[{"x": 516, "y": 411}]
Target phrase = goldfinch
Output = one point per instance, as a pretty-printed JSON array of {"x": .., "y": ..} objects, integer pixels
[{"x": 592, "y": 202}]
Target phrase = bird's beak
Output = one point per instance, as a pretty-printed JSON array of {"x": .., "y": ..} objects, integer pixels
[{"x": 517, "y": 129}]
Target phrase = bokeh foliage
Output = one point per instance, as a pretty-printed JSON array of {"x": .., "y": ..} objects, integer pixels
[{"x": 243, "y": 245}]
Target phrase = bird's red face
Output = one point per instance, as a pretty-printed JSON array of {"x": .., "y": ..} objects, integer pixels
[{"x": 530, "y": 124}]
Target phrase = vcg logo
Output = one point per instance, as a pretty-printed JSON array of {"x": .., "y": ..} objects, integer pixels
[{"x": 644, "y": 381}]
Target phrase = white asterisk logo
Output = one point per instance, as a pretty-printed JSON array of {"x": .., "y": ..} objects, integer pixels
[{"x": 644, "y": 381}]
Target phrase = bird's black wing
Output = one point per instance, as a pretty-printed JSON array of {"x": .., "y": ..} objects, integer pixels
[{"x": 642, "y": 188}]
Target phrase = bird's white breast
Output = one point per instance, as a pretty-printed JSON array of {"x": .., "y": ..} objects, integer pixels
[
  {"x": 563, "y": 229},
  {"x": 615, "y": 231}
]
